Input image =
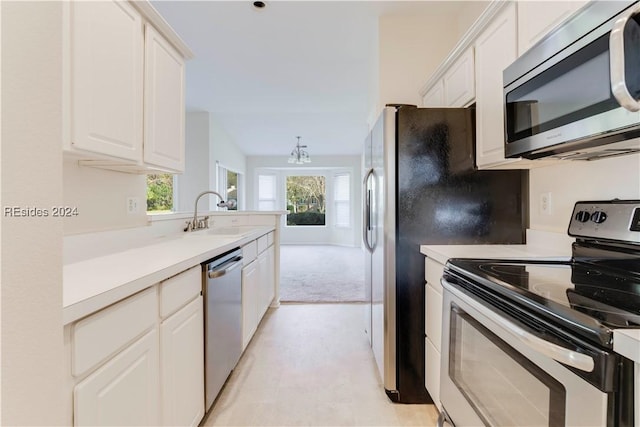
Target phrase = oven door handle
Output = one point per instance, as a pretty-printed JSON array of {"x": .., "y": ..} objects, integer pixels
[
  {"x": 556, "y": 352},
  {"x": 616, "y": 62}
]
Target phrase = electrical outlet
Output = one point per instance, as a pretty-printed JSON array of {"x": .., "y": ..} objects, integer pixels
[
  {"x": 132, "y": 205},
  {"x": 545, "y": 203}
]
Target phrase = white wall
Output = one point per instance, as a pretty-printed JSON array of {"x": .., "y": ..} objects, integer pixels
[
  {"x": 410, "y": 49},
  {"x": 224, "y": 148},
  {"x": 320, "y": 165},
  {"x": 573, "y": 181},
  {"x": 468, "y": 15},
  {"x": 31, "y": 161},
  {"x": 195, "y": 178},
  {"x": 101, "y": 198},
  {"x": 207, "y": 144},
  {"x": 225, "y": 152}
]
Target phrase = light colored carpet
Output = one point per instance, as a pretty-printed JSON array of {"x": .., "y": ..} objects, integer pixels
[{"x": 319, "y": 273}]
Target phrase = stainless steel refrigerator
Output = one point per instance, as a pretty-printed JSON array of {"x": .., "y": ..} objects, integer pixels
[{"x": 421, "y": 187}]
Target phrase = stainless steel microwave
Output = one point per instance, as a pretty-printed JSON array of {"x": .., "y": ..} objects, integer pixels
[{"x": 574, "y": 95}]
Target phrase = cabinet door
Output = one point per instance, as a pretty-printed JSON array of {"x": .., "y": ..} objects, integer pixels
[
  {"x": 107, "y": 68},
  {"x": 432, "y": 372},
  {"x": 250, "y": 284},
  {"x": 434, "y": 316},
  {"x": 537, "y": 18},
  {"x": 182, "y": 366},
  {"x": 163, "y": 103},
  {"x": 125, "y": 391},
  {"x": 495, "y": 49},
  {"x": 266, "y": 268},
  {"x": 459, "y": 81},
  {"x": 435, "y": 96}
]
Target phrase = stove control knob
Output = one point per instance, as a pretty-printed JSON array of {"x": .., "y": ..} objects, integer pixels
[
  {"x": 583, "y": 216},
  {"x": 598, "y": 217}
]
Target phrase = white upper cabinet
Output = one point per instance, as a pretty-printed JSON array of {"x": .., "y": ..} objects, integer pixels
[
  {"x": 123, "y": 85},
  {"x": 473, "y": 70},
  {"x": 495, "y": 49},
  {"x": 459, "y": 81},
  {"x": 452, "y": 86},
  {"x": 434, "y": 96},
  {"x": 106, "y": 84},
  {"x": 163, "y": 103},
  {"x": 537, "y": 18}
]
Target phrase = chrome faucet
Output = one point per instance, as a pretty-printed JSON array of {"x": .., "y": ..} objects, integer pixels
[{"x": 198, "y": 224}]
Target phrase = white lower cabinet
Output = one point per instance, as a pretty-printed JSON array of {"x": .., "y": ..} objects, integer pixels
[
  {"x": 432, "y": 372},
  {"x": 125, "y": 390},
  {"x": 182, "y": 366},
  {"x": 266, "y": 268},
  {"x": 141, "y": 360},
  {"x": 250, "y": 287},
  {"x": 258, "y": 284},
  {"x": 433, "y": 327}
]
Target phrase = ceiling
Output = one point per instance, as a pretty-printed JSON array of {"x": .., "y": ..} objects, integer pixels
[{"x": 293, "y": 68}]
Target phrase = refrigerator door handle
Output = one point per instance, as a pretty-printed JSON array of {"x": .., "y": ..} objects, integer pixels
[{"x": 366, "y": 220}]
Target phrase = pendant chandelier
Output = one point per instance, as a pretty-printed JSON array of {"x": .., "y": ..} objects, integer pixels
[{"x": 298, "y": 155}]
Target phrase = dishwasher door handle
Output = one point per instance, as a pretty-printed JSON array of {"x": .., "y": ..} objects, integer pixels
[{"x": 225, "y": 268}]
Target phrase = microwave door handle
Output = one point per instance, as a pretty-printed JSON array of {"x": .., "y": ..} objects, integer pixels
[
  {"x": 560, "y": 354},
  {"x": 616, "y": 62}
]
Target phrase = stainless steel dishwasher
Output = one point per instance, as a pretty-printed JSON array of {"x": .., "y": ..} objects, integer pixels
[{"x": 222, "y": 289}]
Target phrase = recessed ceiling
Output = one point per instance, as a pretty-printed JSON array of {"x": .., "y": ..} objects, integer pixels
[{"x": 291, "y": 68}]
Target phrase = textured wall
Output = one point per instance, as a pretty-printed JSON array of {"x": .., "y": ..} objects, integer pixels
[{"x": 31, "y": 165}]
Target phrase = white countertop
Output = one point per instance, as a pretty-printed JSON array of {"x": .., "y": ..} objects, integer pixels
[
  {"x": 541, "y": 244},
  {"x": 442, "y": 253},
  {"x": 95, "y": 283},
  {"x": 627, "y": 343}
]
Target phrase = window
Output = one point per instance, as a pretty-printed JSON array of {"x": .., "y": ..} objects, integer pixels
[
  {"x": 228, "y": 185},
  {"x": 306, "y": 197},
  {"x": 267, "y": 192},
  {"x": 342, "y": 199},
  {"x": 159, "y": 193},
  {"x": 232, "y": 188}
]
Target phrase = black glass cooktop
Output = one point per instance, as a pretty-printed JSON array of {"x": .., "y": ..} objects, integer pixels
[{"x": 583, "y": 298}]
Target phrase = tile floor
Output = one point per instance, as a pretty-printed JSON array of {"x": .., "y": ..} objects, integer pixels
[{"x": 310, "y": 365}]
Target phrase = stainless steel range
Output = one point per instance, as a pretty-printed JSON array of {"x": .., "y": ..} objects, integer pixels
[{"x": 529, "y": 342}]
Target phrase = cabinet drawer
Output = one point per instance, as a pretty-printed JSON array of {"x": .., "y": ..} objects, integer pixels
[
  {"x": 249, "y": 252},
  {"x": 100, "y": 335},
  {"x": 262, "y": 243},
  {"x": 433, "y": 273},
  {"x": 270, "y": 238},
  {"x": 177, "y": 291}
]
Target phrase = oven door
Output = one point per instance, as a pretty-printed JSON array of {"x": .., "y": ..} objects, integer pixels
[
  {"x": 578, "y": 94},
  {"x": 496, "y": 373}
]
